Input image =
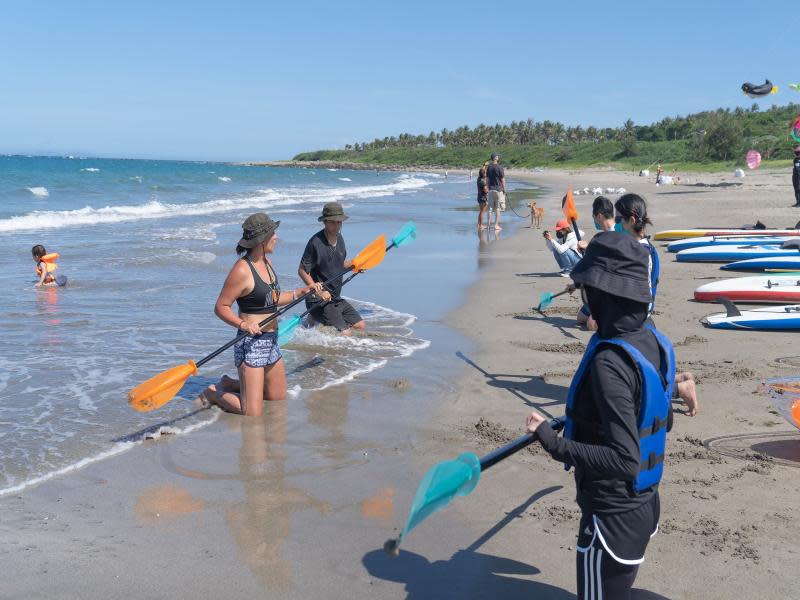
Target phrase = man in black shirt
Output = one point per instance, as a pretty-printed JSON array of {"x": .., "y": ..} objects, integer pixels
[
  {"x": 796, "y": 176},
  {"x": 324, "y": 258},
  {"x": 496, "y": 177}
]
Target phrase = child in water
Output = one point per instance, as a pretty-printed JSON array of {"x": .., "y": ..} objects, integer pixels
[{"x": 46, "y": 267}]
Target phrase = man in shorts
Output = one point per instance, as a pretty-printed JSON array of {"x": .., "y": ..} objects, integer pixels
[
  {"x": 323, "y": 259},
  {"x": 496, "y": 197}
]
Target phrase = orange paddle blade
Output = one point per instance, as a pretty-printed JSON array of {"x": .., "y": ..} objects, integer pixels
[
  {"x": 372, "y": 255},
  {"x": 157, "y": 391},
  {"x": 568, "y": 206}
]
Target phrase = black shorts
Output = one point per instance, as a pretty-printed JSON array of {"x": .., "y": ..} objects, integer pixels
[
  {"x": 336, "y": 313},
  {"x": 482, "y": 199}
]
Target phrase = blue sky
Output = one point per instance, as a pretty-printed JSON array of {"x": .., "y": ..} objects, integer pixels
[{"x": 265, "y": 80}]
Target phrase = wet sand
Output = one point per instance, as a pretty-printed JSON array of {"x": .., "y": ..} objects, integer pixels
[{"x": 299, "y": 503}]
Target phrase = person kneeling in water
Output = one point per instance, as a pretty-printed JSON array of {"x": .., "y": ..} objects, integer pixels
[
  {"x": 617, "y": 417},
  {"x": 46, "y": 267},
  {"x": 324, "y": 259}
]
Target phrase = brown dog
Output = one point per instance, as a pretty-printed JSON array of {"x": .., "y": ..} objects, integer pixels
[{"x": 537, "y": 213}]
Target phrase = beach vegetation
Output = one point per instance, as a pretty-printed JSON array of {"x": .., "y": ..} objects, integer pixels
[{"x": 709, "y": 140}]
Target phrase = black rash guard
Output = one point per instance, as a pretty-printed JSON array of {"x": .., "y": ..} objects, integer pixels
[
  {"x": 605, "y": 448},
  {"x": 796, "y": 172}
]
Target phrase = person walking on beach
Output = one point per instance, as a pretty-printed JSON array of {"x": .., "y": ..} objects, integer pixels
[
  {"x": 496, "y": 197},
  {"x": 796, "y": 176},
  {"x": 253, "y": 285},
  {"x": 618, "y": 414},
  {"x": 565, "y": 247},
  {"x": 324, "y": 258},
  {"x": 483, "y": 190}
]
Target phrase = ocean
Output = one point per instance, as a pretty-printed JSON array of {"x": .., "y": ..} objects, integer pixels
[{"x": 146, "y": 246}]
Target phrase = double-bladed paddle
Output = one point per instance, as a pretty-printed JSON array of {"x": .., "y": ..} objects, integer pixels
[
  {"x": 160, "y": 389},
  {"x": 286, "y": 330},
  {"x": 452, "y": 478}
]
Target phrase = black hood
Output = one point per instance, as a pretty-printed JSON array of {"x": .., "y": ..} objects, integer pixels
[{"x": 615, "y": 316}]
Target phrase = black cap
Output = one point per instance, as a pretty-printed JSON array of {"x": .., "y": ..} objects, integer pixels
[
  {"x": 617, "y": 264},
  {"x": 495, "y": 156}
]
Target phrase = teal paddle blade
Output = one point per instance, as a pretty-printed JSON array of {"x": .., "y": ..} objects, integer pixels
[
  {"x": 545, "y": 300},
  {"x": 440, "y": 485},
  {"x": 407, "y": 234},
  {"x": 286, "y": 330}
]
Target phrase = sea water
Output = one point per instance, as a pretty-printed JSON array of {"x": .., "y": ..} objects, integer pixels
[{"x": 146, "y": 246}]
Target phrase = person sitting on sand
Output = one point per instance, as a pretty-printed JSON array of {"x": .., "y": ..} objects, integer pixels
[
  {"x": 46, "y": 267},
  {"x": 324, "y": 259},
  {"x": 618, "y": 415},
  {"x": 635, "y": 207},
  {"x": 483, "y": 190},
  {"x": 253, "y": 284},
  {"x": 565, "y": 247}
]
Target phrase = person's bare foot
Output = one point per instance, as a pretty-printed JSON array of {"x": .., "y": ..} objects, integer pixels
[
  {"x": 347, "y": 332},
  {"x": 497, "y": 228},
  {"x": 207, "y": 397},
  {"x": 688, "y": 393},
  {"x": 229, "y": 384}
]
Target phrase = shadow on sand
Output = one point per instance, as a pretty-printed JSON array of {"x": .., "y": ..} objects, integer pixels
[
  {"x": 468, "y": 573},
  {"x": 523, "y": 387}
]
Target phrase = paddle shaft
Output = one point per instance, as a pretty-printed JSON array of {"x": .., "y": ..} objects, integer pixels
[
  {"x": 518, "y": 444},
  {"x": 269, "y": 319},
  {"x": 575, "y": 229}
]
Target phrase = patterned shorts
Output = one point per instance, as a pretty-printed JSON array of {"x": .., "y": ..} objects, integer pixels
[{"x": 257, "y": 351}]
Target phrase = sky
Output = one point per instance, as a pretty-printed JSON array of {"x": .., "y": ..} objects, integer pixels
[{"x": 265, "y": 80}]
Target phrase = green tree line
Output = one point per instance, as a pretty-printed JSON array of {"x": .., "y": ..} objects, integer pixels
[{"x": 716, "y": 135}]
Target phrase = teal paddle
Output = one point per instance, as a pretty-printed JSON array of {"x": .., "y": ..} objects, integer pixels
[
  {"x": 453, "y": 478},
  {"x": 546, "y": 299},
  {"x": 286, "y": 330}
]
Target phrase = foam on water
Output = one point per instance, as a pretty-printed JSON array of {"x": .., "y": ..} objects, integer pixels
[
  {"x": 224, "y": 179},
  {"x": 344, "y": 179},
  {"x": 40, "y": 191},
  {"x": 265, "y": 199},
  {"x": 91, "y": 169}
]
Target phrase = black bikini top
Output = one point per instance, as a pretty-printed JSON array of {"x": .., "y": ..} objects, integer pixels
[{"x": 264, "y": 297}]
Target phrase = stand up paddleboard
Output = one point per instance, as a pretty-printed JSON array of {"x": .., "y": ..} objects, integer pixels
[
  {"x": 780, "y": 289},
  {"x": 772, "y": 318},
  {"x": 734, "y": 253},
  {"x": 734, "y": 240},
  {"x": 680, "y": 234},
  {"x": 778, "y": 263}
]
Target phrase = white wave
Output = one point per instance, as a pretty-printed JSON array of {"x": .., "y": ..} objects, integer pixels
[
  {"x": 225, "y": 179},
  {"x": 332, "y": 169},
  {"x": 40, "y": 191},
  {"x": 344, "y": 179},
  {"x": 267, "y": 198},
  {"x": 137, "y": 178},
  {"x": 117, "y": 448},
  {"x": 91, "y": 169}
]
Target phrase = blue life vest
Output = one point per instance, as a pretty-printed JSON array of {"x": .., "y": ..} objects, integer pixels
[{"x": 653, "y": 408}]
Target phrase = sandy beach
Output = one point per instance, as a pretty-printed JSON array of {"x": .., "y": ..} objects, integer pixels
[{"x": 240, "y": 510}]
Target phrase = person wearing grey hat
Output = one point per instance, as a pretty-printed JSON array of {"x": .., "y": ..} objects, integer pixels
[
  {"x": 324, "y": 258},
  {"x": 253, "y": 285},
  {"x": 618, "y": 413}
]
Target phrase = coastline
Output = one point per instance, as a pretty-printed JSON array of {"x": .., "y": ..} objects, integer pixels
[{"x": 239, "y": 510}]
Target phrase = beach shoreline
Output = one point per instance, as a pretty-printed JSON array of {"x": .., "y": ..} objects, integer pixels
[{"x": 261, "y": 515}]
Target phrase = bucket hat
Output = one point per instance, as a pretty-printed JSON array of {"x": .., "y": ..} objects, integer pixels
[
  {"x": 257, "y": 228},
  {"x": 333, "y": 211},
  {"x": 617, "y": 264}
]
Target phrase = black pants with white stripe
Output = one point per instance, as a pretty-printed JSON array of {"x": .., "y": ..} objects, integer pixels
[{"x": 600, "y": 577}]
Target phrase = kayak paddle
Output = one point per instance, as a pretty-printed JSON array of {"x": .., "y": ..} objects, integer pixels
[
  {"x": 546, "y": 299},
  {"x": 452, "y": 478},
  {"x": 157, "y": 391},
  {"x": 570, "y": 212},
  {"x": 407, "y": 233}
]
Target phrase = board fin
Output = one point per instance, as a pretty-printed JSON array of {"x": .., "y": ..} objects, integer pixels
[{"x": 730, "y": 307}]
